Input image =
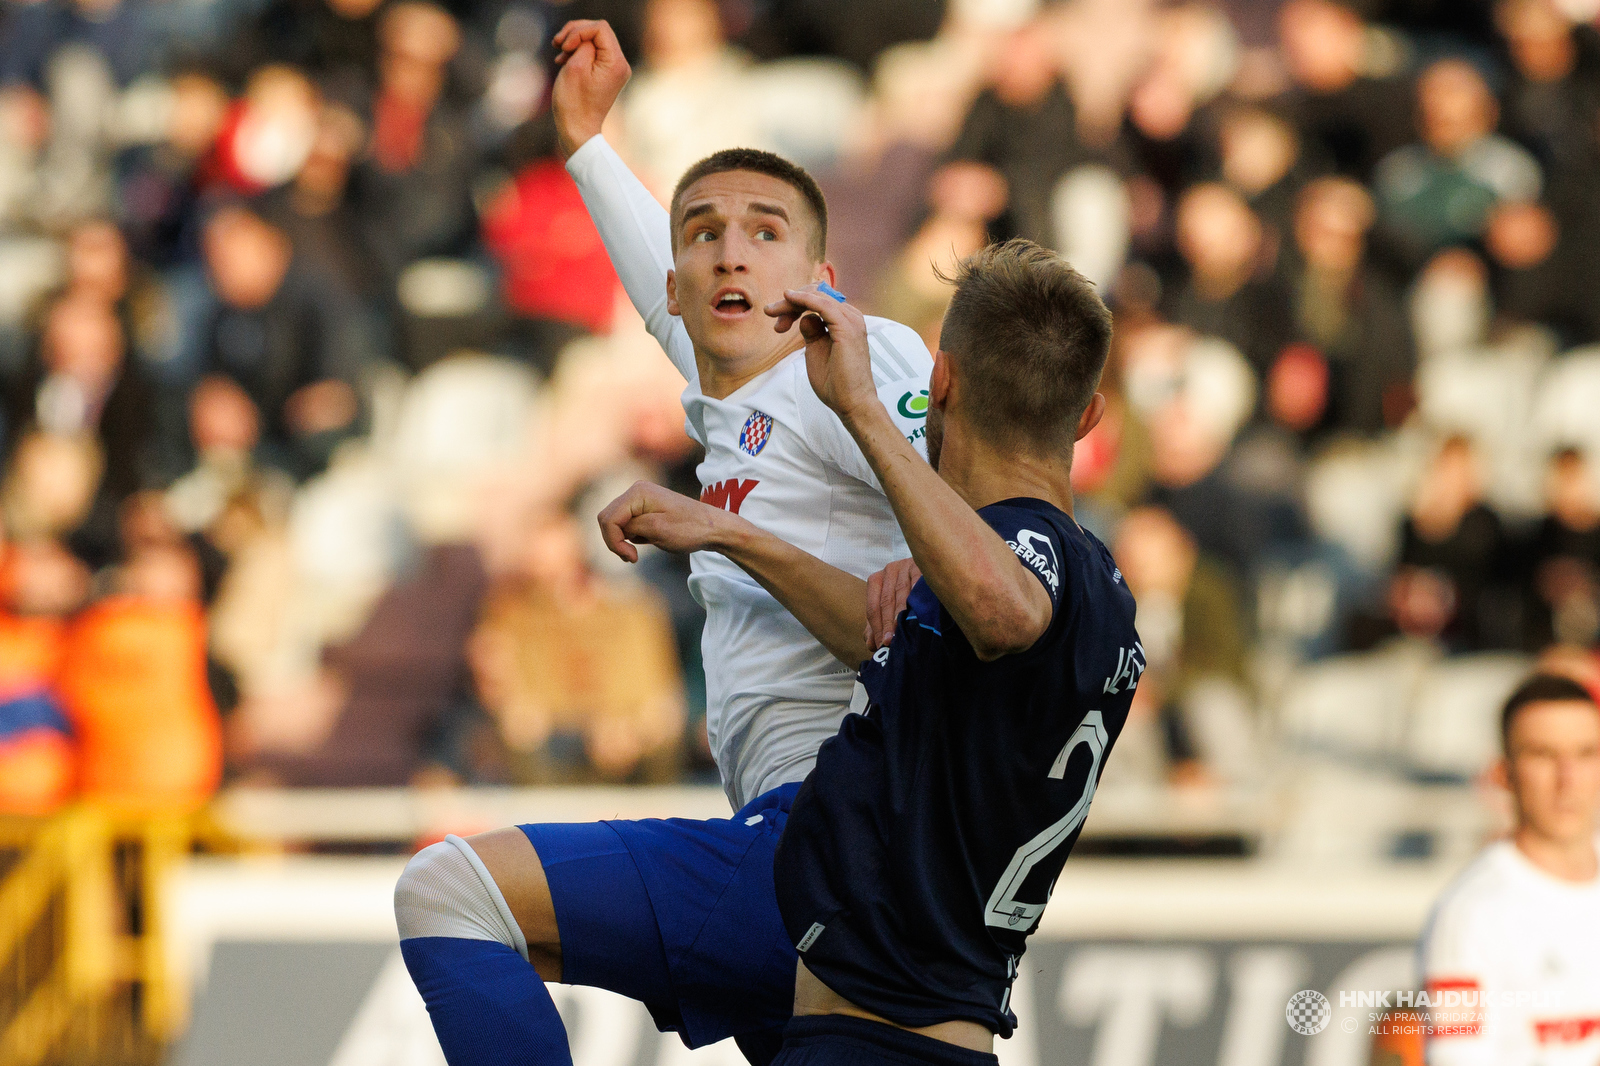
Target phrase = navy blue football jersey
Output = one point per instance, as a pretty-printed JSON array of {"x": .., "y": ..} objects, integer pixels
[{"x": 924, "y": 845}]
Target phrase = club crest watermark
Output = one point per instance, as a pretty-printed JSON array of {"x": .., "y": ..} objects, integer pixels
[{"x": 1308, "y": 1012}]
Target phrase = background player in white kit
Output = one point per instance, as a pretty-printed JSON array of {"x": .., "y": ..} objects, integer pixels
[
  {"x": 1519, "y": 930},
  {"x": 682, "y": 915}
]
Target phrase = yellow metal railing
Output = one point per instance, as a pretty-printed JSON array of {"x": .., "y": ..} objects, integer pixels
[{"x": 83, "y": 973}]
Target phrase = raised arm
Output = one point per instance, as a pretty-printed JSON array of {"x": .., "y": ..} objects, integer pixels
[
  {"x": 999, "y": 605},
  {"x": 635, "y": 228},
  {"x": 829, "y": 602}
]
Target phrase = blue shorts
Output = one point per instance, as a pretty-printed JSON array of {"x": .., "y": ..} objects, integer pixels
[{"x": 681, "y": 916}]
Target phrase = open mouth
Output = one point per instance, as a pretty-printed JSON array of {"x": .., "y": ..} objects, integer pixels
[{"x": 731, "y": 303}]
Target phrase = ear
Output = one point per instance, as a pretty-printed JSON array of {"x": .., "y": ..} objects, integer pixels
[
  {"x": 1091, "y": 415},
  {"x": 1499, "y": 774},
  {"x": 939, "y": 381},
  {"x": 826, "y": 273},
  {"x": 672, "y": 294}
]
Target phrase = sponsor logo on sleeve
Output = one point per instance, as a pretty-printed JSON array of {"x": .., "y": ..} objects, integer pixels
[
  {"x": 1036, "y": 551},
  {"x": 757, "y": 431},
  {"x": 914, "y": 404}
]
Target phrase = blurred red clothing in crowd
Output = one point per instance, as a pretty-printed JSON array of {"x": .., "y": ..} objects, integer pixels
[{"x": 555, "y": 266}]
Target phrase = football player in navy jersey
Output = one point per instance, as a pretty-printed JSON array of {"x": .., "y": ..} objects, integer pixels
[{"x": 923, "y": 847}]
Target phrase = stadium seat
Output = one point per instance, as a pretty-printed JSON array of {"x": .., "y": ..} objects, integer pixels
[
  {"x": 1568, "y": 397},
  {"x": 1453, "y": 730},
  {"x": 1353, "y": 706},
  {"x": 1090, "y": 207},
  {"x": 461, "y": 420},
  {"x": 1489, "y": 394},
  {"x": 1354, "y": 498}
]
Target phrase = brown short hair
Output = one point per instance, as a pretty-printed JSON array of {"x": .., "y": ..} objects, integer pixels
[
  {"x": 774, "y": 166},
  {"x": 1540, "y": 688},
  {"x": 1029, "y": 335}
]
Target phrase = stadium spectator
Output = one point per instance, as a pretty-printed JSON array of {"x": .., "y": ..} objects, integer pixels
[
  {"x": 1194, "y": 643},
  {"x": 116, "y": 31},
  {"x": 133, "y": 680},
  {"x": 1229, "y": 292},
  {"x": 1350, "y": 315},
  {"x": 1443, "y": 190},
  {"x": 295, "y": 342},
  {"x": 1022, "y": 130},
  {"x": 1452, "y": 552},
  {"x": 414, "y": 188},
  {"x": 1260, "y": 158},
  {"x": 1347, "y": 97},
  {"x": 691, "y": 97},
  {"x": 82, "y": 384},
  {"x": 1554, "y": 88},
  {"x": 1562, "y": 560},
  {"x": 541, "y": 659},
  {"x": 40, "y": 583}
]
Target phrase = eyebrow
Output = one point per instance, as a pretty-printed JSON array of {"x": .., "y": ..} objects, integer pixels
[
  {"x": 754, "y": 209},
  {"x": 768, "y": 209}
]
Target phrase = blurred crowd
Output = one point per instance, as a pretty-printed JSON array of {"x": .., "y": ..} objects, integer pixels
[{"x": 315, "y": 372}]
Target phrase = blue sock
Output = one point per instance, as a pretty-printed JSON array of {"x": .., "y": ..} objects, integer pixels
[{"x": 489, "y": 1006}]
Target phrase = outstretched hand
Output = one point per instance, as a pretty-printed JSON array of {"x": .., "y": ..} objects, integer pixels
[
  {"x": 592, "y": 73},
  {"x": 837, "y": 359},
  {"x": 650, "y": 514}
]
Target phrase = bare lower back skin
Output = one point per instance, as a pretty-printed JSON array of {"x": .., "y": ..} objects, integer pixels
[
  {"x": 519, "y": 874},
  {"x": 811, "y": 997}
]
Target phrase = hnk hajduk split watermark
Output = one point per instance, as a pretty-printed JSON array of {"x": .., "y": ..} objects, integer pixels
[{"x": 1448, "y": 1011}]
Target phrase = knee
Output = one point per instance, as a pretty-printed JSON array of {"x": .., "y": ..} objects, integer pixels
[{"x": 446, "y": 891}]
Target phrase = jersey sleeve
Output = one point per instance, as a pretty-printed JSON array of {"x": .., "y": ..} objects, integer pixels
[
  {"x": 1455, "y": 956},
  {"x": 900, "y": 368},
  {"x": 1036, "y": 543},
  {"x": 637, "y": 233}
]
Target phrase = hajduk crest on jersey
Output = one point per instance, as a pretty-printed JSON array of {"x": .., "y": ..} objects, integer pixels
[{"x": 757, "y": 429}]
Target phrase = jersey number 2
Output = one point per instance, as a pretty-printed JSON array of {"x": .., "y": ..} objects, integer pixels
[{"x": 1004, "y": 910}]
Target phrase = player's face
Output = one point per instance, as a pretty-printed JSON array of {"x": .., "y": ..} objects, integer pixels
[
  {"x": 743, "y": 239},
  {"x": 1553, "y": 768}
]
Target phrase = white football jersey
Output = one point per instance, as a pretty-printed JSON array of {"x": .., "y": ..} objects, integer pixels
[
  {"x": 776, "y": 455},
  {"x": 1511, "y": 958}
]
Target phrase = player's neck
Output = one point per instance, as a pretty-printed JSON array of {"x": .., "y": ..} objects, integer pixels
[
  {"x": 721, "y": 376},
  {"x": 1573, "y": 860},
  {"x": 982, "y": 475}
]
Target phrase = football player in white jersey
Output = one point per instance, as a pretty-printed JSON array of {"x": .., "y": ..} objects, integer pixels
[
  {"x": 1512, "y": 953},
  {"x": 682, "y": 915}
]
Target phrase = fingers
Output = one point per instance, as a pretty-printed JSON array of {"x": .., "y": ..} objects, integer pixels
[
  {"x": 645, "y": 528},
  {"x": 889, "y": 605},
  {"x": 576, "y": 31},
  {"x": 612, "y": 521},
  {"x": 789, "y": 310},
  {"x": 595, "y": 32},
  {"x": 785, "y": 312},
  {"x": 874, "y": 610},
  {"x": 887, "y": 593},
  {"x": 812, "y": 328},
  {"x": 616, "y": 520}
]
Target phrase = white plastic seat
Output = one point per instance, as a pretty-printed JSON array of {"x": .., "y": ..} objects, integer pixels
[{"x": 1454, "y": 725}]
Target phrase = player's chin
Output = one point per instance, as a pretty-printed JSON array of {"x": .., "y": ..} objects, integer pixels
[{"x": 723, "y": 329}]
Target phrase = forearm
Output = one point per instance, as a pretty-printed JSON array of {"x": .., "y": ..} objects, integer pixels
[
  {"x": 973, "y": 572},
  {"x": 634, "y": 228},
  {"x": 829, "y": 602}
]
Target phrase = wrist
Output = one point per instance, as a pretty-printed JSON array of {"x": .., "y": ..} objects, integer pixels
[
  {"x": 862, "y": 412},
  {"x": 571, "y": 138},
  {"x": 730, "y": 534}
]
